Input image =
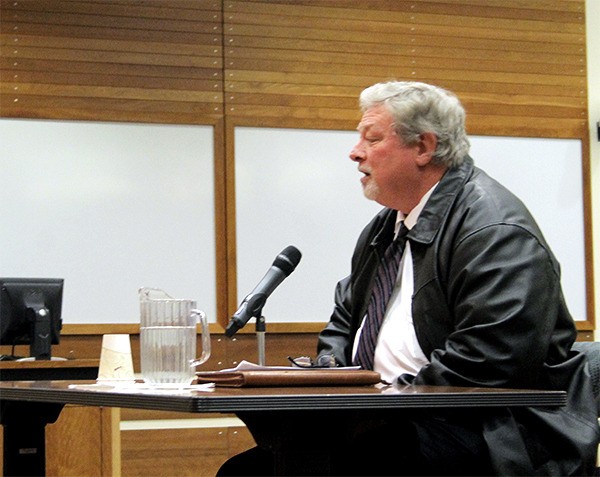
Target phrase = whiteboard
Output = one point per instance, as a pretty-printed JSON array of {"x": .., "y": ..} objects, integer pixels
[
  {"x": 298, "y": 187},
  {"x": 109, "y": 207}
]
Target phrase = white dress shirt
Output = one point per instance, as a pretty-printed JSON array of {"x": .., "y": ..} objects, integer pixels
[{"x": 398, "y": 350}]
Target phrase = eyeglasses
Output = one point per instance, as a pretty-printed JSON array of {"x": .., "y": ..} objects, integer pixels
[{"x": 323, "y": 361}]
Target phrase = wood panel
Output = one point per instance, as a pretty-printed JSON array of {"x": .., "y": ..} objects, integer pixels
[
  {"x": 226, "y": 352},
  {"x": 181, "y": 451},
  {"x": 127, "y": 61},
  {"x": 519, "y": 68},
  {"x": 300, "y": 340},
  {"x": 77, "y": 428}
]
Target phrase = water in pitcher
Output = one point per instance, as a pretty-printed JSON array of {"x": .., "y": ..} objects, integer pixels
[
  {"x": 168, "y": 338},
  {"x": 166, "y": 353}
]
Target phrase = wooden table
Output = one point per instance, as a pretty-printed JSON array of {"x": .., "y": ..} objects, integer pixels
[{"x": 281, "y": 419}]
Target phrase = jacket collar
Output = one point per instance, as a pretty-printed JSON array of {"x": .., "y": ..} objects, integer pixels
[
  {"x": 435, "y": 211},
  {"x": 438, "y": 206}
]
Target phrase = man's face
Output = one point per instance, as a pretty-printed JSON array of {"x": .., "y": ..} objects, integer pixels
[{"x": 391, "y": 172}]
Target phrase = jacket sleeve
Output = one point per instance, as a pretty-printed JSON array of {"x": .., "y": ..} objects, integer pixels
[
  {"x": 336, "y": 339},
  {"x": 509, "y": 323}
]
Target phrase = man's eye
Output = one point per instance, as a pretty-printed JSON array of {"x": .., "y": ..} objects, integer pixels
[{"x": 373, "y": 140}]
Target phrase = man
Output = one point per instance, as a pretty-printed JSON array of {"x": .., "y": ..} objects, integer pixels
[{"x": 475, "y": 301}]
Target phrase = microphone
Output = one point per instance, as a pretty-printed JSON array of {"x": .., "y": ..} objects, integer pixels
[{"x": 252, "y": 305}]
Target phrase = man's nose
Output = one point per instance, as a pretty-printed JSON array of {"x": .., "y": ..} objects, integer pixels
[{"x": 357, "y": 153}]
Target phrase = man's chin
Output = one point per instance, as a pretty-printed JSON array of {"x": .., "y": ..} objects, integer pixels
[{"x": 370, "y": 192}]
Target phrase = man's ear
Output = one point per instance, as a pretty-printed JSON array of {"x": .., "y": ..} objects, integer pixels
[{"x": 426, "y": 148}]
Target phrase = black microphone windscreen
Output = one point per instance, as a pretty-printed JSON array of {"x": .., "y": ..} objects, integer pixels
[{"x": 288, "y": 259}]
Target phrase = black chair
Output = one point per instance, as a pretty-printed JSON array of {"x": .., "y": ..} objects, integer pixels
[{"x": 592, "y": 350}]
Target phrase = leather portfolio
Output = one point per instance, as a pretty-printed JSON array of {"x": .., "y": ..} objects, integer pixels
[{"x": 292, "y": 377}]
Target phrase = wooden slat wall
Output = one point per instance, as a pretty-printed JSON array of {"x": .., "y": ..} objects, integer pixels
[
  {"x": 518, "y": 66},
  {"x": 151, "y": 61}
]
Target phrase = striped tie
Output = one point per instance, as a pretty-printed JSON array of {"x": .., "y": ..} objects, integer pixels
[{"x": 382, "y": 290}]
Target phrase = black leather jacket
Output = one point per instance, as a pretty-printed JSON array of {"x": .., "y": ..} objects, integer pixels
[{"x": 488, "y": 310}]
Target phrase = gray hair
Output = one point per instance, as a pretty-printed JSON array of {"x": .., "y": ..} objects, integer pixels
[{"x": 418, "y": 108}]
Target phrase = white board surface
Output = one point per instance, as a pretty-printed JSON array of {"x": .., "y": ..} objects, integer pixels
[
  {"x": 298, "y": 187},
  {"x": 109, "y": 207}
]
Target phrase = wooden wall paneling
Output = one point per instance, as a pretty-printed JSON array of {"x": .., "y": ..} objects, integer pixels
[
  {"x": 239, "y": 439},
  {"x": 166, "y": 452},
  {"x": 199, "y": 442},
  {"x": 517, "y": 9},
  {"x": 278, "y": 346},
  {"x": 282, "y": 339},
  {"x": 83, "y": 441},
  {"x": 128, "y": 61},
  {"x": 282, "y": 58}
]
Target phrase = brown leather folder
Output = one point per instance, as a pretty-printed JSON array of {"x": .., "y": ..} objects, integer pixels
[{"x": 292, "y": 377}]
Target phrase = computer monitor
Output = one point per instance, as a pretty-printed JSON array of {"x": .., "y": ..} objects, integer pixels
[{"x": 30, "y": 313}]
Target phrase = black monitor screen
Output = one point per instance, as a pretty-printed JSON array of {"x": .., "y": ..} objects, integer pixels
[{"x": 30, "y": 313}]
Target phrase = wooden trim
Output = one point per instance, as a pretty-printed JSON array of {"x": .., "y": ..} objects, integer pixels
[
  {"x": 585, "y": 325},
  {"x": 590, "y": 323},
  {"x": 219, "y": 328},
  {"x": 585, "y": 335},
  {"x": 230, "y": 219},
  {"x": 283, "y": 328},
  {"x": 214, "y": 328},
  {"x": 110, "y": 419},
  {"x": 221, "y": 225},
  {"x": 51, "y": 364},
  {"x": 100, "y": 329}
]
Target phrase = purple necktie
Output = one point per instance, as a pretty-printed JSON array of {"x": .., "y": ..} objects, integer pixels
[{"x": 387, "y": 273}]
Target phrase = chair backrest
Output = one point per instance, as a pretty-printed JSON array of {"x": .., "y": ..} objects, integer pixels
[{"x": 592, "y": 350}]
